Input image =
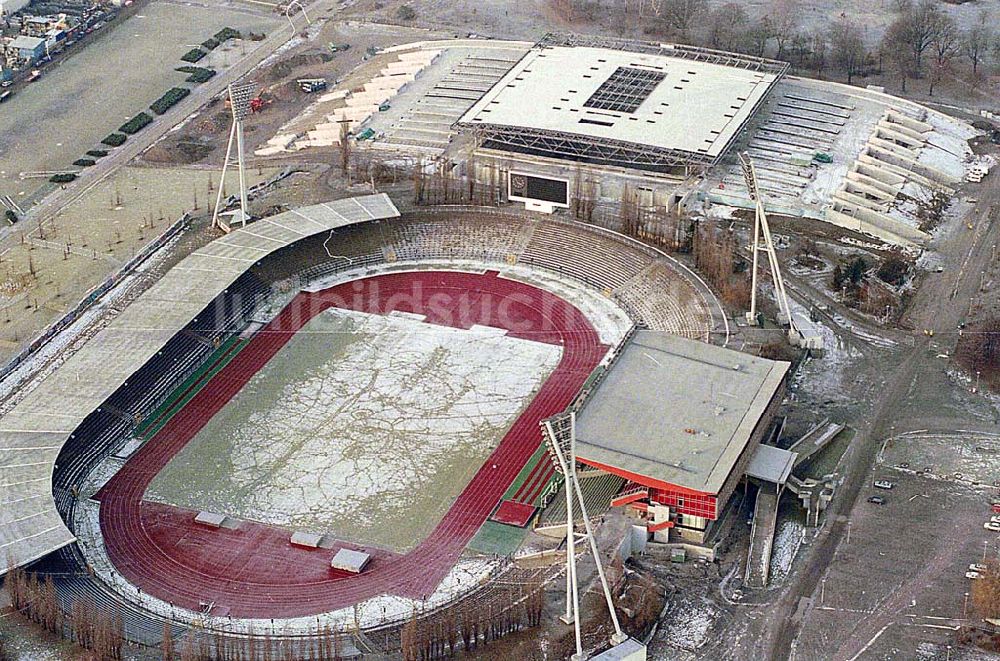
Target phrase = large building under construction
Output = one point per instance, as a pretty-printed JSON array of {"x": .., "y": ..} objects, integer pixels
[
  {"x": 667, "y": 109},
  {"x": 593, "y": 120}
]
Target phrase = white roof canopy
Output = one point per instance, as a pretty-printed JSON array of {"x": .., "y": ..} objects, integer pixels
[{"x": 33, "y": 433}]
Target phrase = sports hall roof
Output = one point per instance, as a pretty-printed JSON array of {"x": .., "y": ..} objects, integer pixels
[
  {"x": 676, "y": 410},
  {"x": 673, "y": 104},
  {"x": 34, "y": 431}
]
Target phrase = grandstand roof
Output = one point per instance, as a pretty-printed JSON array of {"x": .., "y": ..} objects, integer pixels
[
  {"x": 676, "y": 411},
  {"x": 683, "y": 105},
  {"x": 34, "y": 431}
]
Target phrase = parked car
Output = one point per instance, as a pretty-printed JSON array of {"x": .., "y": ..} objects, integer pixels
[
  {"x": 884, "y": 484},
  {"x": 977, "y": 566},
  {"x": 992, "y": 526},
  {"x": 995, "y": 518},
  {"x": 973, "y": 575},
  {"x": 877, "y": 500}
]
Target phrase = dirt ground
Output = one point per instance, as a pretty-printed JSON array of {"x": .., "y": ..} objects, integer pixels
[
  {"x": 49, "y": 124},
  {"x": 203, "y": 138},
  {"x": 42, "y": 278}
]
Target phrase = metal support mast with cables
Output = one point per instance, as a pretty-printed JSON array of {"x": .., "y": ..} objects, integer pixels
[
  {"x": 560, "y": 434},
  {"x": 239, "y": 102},
  {"x": 762, "y": 242}
]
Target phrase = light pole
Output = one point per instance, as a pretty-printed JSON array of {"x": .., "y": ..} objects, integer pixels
[
  {"x": 822, "y": 592},
  {"x": 965, "y": 607}
]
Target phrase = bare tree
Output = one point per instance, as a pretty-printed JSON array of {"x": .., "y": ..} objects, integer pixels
[
  {"x": 680, "y": 14},
  {"x": 977, "y": 40},
  {"x": 758, "y": 34},
  {"x": 896, "y": 52},
  {"x": 847, "y": 48},
  {"x": 946, "y": 45},
  {"x": 786, "y": 22},
  {"x": 345, "y": 148},
  {"x": 727, "y": 25},
  {"x": 986, "y": 592},
  {"x": 818, "y": 55},
  {"x": 916, "y": 28}
]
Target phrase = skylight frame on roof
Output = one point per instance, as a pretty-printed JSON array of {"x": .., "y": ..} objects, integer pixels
[{"x": 625, "y": 89}]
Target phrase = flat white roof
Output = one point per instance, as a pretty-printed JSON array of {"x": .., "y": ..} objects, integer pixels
[
  {"x": 694, "y": 106},
  {"x": 676, "y": 410}
]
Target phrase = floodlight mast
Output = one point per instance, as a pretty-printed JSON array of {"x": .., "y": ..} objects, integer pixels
[
  {"x": 560, "y": 431},
  {"x": 762, "y": 242},
  {"x": 240, "y": 97}
]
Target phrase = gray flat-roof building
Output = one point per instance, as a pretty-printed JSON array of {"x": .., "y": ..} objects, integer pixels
[{"x": 681, "y": 420}]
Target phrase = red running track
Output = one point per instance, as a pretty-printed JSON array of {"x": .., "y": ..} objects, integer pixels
[{"x": 253, "y": 571}]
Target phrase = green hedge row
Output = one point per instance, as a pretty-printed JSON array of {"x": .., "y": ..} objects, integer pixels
[
  {"x": 210, "y": 44},
  {"x": 63, "y": 178},
  {"x": 193, "y": 55},
  {"x": 114, "y": 140},
  {"x": 200, "y": 76},
  {"x": 136, "y": 124},
  {"x": 225, "y": 34},
  {"x": 197, "y": 74},
  {"x": 84, "y": 162},
  {"x": 97, "y": 153},
  {"x": 169, "y": 100}
]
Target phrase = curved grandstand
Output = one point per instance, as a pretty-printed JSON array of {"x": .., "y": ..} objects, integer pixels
[{"x": 189, "y": 345}]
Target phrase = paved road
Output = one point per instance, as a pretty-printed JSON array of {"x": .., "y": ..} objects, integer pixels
[{"x": 940, "y": 304}]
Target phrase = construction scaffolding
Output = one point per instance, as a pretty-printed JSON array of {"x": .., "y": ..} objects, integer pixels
[{"x": 764, "y": 65}]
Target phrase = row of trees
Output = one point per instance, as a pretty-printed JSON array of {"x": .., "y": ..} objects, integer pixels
[
  {"x": 510, "y": 606},
  {"x": 715, "y": 257},
  {"x": 443, "y": 185},
  {"x": 922, "y": 41},
  {"x": 923, "y": 37},
  {"x": 325, "y": 645},
  {"x": 99, "y": 632}
]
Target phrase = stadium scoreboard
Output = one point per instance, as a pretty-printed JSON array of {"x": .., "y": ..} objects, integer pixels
[{"x": 543, "y": 194}]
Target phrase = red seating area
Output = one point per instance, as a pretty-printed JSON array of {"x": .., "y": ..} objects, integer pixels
[{"x": 254, "y": 571}]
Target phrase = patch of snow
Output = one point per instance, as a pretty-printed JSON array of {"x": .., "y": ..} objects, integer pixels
[
  {"x": 355, "y": 416},
  {"x": 906, "y": 211},
  {"x": 687, "y": 626},
  {"x": 721, "y": 211},
  {"x": 787, "y": 541},
  {"x": 947, "y": 148}
]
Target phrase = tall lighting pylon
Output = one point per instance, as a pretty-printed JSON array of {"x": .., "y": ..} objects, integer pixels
[
  {"x": 239, "y": 103},
  {"x": 560, "y": 433},
  {"x": 762, "y": 242}
]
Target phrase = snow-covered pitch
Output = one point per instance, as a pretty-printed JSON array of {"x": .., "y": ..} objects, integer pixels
[{"x": 363, "y": 426}]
